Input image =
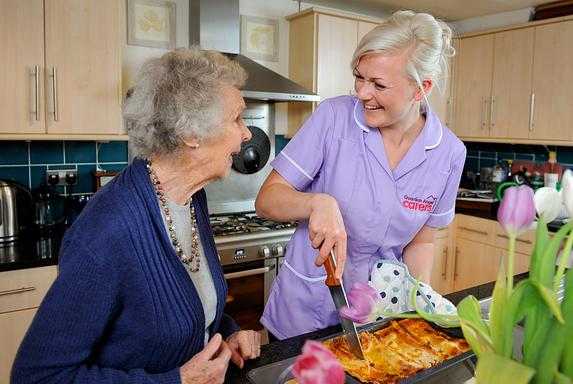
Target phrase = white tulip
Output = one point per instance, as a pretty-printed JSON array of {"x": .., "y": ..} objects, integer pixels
[
  {"x": 567, "y": 191},
  {"x": 547, "y": 203}
]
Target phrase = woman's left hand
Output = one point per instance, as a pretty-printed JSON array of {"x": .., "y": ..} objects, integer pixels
[{"x": 244, "y": 345}]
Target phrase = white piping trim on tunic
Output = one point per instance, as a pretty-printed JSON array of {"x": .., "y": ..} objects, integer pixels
[
  {"x": 439, "y": 139},
  {"x": 300, "y": 275},
  {"x": 296, "y": 165},
  {"x": 444, "y": 213},
  {"x": 364, "y": 128}
]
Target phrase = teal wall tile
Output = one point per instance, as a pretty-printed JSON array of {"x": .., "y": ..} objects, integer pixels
[
  {"x": 565, "y": 156},
  {"x": 13, "y": 152},
  {"x": 85, "y": 179},
  {"x": 114, "y": 151},
  {"x": 80, "y": 151},
  {"x": 525, "y": 156},
  {"x": 46, "y": 152},
  {"x": 486, "y": 162},
  {"x": 38, "y": 176},
  {"x": 280, "y": 143},
  {"x": 113, "y": 167},
  {"x": 17, "y": 174},
  {"x": 506, "y": 155}
]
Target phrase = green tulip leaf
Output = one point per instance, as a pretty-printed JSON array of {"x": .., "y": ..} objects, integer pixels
[
  {"x": 550, "y": 299},
  {"x": 495, "y": 369}
]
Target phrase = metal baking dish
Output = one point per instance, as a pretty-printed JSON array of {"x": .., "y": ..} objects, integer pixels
[{"x": 269, "y": 374}]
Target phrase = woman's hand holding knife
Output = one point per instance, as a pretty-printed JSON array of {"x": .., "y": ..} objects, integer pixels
[{"x": 326, "y": 231}]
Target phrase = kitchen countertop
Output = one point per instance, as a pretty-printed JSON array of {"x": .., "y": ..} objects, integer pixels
[
  {"x": 285, "y": 349},
  {"x": 31, "y": 251},
  {"x": 489, "y": 211}
]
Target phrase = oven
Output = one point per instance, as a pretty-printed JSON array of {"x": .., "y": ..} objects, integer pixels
[{"x": 250, "y": 263}]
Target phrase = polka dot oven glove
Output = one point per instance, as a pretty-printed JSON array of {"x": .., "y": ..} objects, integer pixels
[{"x": 393, "y": 282}]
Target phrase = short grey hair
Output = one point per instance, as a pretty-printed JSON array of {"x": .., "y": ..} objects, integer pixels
[
  {"x": 176, "y": 96},
  {"x": 428, "y": 40}
]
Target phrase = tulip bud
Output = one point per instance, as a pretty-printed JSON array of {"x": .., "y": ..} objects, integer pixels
[
  {"x": 547, "y": 203},
  {"x": 362, "y": 300},
  {"x": 516, "y": 211},
  {"x": 317, "y": 365}
]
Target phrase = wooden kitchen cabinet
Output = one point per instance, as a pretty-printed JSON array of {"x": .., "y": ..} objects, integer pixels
[
  {"x": 76, "y": 46},
  {"x": 13, "y": 328},
  {"x": 474, "y": 69},
  {"x": 22, "y": 63},
  {"x": 442, "y": 271},
  {"x": 474, "y": 263},
  {"x": 321, "y": 47},
  {"x": 21, "y": 292},
  {"x": 552, "y": 78},
  {"x": 336, "y": 44},
  {"x": 511, "y": 86}
]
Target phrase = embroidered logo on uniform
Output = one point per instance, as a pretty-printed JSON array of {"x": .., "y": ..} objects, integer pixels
[{"x": 417, "y": 204}]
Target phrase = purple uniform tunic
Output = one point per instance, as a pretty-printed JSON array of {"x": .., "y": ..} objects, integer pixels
[{"x": 335, "y": 152}]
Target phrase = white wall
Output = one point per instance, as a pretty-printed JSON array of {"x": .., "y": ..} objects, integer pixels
[
  {"x": 134, "y": 56},
  {"x": 497, "y": 20}
]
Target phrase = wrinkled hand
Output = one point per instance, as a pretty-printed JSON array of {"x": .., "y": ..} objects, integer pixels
[
  {"x": 244, "y": 345},
  {"x": 326, "y": 231},
  {"x": 208, "y": 366}
]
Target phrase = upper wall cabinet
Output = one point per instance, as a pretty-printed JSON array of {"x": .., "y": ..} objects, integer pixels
[
  {"x": 552, "y": 94},
  {"x": 61, "y": 68},
  {"x": 513, "y": 85},
  {"x": 321, "y": 49},
  {"x": 473, "y": 76}
]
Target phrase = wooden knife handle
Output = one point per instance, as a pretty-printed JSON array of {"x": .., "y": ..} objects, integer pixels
[{"x": 330, "y": 267}]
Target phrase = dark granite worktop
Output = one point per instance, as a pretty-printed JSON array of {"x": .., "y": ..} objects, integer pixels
[
  {"x": 284, "y": 349},
  {"x": 32, "y": 250}
]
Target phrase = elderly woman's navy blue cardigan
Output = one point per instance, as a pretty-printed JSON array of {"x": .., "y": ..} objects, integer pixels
[{"x": 123, "y": 308}]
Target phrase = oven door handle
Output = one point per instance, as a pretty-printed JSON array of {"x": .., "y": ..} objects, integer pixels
[{"x": 250, "y": 272}]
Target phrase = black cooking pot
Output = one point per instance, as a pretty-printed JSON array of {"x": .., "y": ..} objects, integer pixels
[{"x": 254, "y": 153}]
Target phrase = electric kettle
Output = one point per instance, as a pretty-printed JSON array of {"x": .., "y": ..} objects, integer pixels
[{"x": 13, "y": 199}]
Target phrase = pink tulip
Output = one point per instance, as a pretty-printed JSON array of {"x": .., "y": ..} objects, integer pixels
[
  {"x": 517, "y": 210},
  {"x": 317, "y": 365},
  {"x": 362, "y": 300}
]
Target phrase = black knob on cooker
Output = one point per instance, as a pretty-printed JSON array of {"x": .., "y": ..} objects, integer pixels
[{"x": 251, "y": 159}]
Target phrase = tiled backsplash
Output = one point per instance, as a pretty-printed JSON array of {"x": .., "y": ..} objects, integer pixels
[
  {"x": 27, "y": 162},
  {"x": 488, "y": 154}
]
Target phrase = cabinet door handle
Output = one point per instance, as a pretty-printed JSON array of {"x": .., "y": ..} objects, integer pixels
[
  {"x": 483, "y": 113},
  {"x": 16, "y": 291},
  {"x": 457, "y": 253},
  {"x": 518, "y": 239},
  {"x": 36, "y": 109},
  {"x": 55, "y": 93},
  {"x": 445, "y": 269},
  {"x": 531, "y": 111},
  {"x": 473, "y": 230},
  {"x": 491, "y": 113}
]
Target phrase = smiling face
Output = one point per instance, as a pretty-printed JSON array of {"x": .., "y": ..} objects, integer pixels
[
  {"x": 233, "y": 132},
  {"x": 387, "y": 92}
]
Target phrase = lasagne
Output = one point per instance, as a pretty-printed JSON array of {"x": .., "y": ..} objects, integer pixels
[{"x": 397, "y": 351}]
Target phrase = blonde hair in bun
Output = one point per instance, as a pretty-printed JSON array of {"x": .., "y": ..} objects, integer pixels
[{"x": 428, "y": 40}]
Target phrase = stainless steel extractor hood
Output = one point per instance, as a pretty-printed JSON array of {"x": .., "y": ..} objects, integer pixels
[{"x": 215, "y": 24}]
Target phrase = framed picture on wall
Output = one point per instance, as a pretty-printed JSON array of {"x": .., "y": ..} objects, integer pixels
[
  {"x": 151, "y": 23},
  {"x": 260, "y": 38}
]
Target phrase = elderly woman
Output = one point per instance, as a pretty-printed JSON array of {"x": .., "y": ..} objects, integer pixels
[
  {"x": 369, "y": 176},
  {"x": 140, "y": 293}
]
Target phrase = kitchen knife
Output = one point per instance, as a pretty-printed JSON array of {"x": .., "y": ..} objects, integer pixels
[{"x": 339, "y": 297}]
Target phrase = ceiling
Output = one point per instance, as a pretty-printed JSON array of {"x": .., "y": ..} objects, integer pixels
[{"x": 450, "y": 10}]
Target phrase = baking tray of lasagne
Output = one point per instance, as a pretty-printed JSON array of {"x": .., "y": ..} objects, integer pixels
[{"x": 397, "y": 351}]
